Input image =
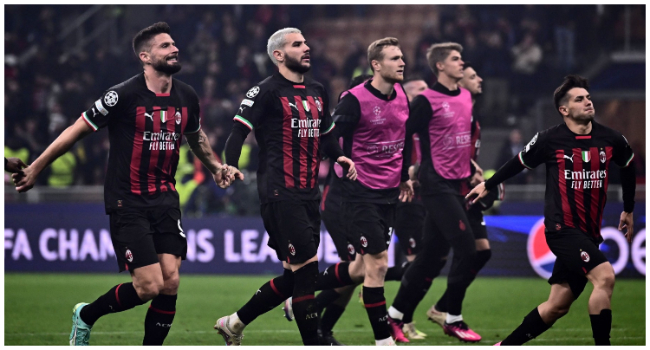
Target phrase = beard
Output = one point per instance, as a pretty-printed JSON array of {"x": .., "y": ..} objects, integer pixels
[
  {"x": 296, "y": 66},
  {"x": 164, "y": 67},
  {"x": 393, "y": 79}
]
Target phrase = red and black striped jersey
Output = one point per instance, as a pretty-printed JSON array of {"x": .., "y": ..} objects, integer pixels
[
  {"x": 577, "y": 173},
  {"x": 145, "y": 131},
  {"x": 288, "y": 119}
]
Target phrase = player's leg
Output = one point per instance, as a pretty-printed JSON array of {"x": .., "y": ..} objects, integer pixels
[
  {"x": 270, "y": 294},
  {"x": 448, "y": 213},
  {"x": 371, "y": 223},
  {"x": 419, "y": 276},
  {"x": 171, "y": 245},
  {"x": 543, "y": 316},
  {"x": 600, "y": 310},
  {"x": 135, "y": 251},
  {"x": 333, "y": 313},
  {"x": 438, "y": 311},
  {"x": 162, "y": 309}
]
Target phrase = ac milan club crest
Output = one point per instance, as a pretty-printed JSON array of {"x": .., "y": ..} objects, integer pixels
[
  {"x": 603, "y": 156},
  {"x": 318, "y": 105},
  {"x": 585, "y": 257},
  {"x": 128, "y": 255},
  {"x": 292, "y": 249},
  {"x": 178, "y": 117},
  {"x": 558, "y": 227},
  {"x": 351, "y": 250},
  {"x": 412, "y": 242},
  {"x": 364, "y": 241},
  {"x": 461, "y": 225}
]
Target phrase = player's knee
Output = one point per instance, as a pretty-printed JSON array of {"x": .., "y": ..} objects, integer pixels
[
  {"x": 606, "y": 281},
  {"x": 171, "y": 284},
  {"x": 559, "y": 310},
  {"x": 150, "y": 289}
]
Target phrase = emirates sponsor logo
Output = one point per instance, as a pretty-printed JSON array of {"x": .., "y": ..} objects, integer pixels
[
  {"x": 585, "y": 175},
  {"x": 306, "y": 127}
]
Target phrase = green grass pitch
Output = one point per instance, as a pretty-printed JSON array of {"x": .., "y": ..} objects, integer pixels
[{"x": 38, "y": 309}]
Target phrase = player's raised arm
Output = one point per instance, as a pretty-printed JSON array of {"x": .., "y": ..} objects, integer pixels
[{"x": 25, "y": 181}]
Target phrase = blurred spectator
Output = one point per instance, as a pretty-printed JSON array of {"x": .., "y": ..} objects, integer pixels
[{"x": 510, "y": 148}]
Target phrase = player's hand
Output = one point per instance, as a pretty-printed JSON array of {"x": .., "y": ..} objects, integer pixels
[
  {"x": 627, "y": 221},
  {"x": 24, "y": 179},
  {"x": 476, "y": 179},
  {"x": 15, "y": 165},
  {"x": 223, "y": 177},
  {"x": 413, "y": 175},
  {"x": 348, "y": 165},
  {"x": 479, "y": 191},
  {"x": 235, "y": 173},
  {"x": 406, "y": 191}
]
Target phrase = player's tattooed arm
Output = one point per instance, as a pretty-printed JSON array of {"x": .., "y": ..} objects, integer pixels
[{"x": 200, "y": 146}]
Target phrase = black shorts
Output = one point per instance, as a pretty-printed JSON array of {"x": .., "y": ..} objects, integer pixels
[
  {"x": 409, "y": 224},
  {"x": 369, "y": 226},
  {"x": 293, "y": 228},
  {"x": 476, "y": 222},
  {"x": 139, "y": 235},
  {"x": 577, "y": 254},
  {"x": 335, "y": 225}
]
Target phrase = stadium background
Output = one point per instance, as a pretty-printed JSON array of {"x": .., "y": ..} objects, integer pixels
[{"x": 59, "y": 59}]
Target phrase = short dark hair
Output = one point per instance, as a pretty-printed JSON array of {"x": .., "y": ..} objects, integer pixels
[
  {"x": 141, "y": 41},
  {"x": 570, "y": 82},
  {"x": 414, "y": 77},
  {"x": 376, "y": 47},
  {"x": 467, "y": 65}
]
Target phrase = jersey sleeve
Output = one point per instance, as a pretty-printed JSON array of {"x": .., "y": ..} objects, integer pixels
[
  {"x": 327, "y": 124},
  {"x": 194, "y": 121},
  {"x": 533, "y": 154},
  {"x": 347, "y": 114},
  {"x": 110, "y": 105},
  {"x": 623, "y": 154},
  {"x": 253, "y": 106}
]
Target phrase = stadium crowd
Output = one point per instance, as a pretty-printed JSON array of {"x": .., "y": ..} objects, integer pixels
[{"x": 223, "y": 52}]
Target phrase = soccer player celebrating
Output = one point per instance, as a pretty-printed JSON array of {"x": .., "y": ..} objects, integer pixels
[
  {"x": 371, "y": 119},
  {"x": 445, "y": 113},
  {"x": 146, "y": 117},
  {"x": 290, "y": 115},
  {"x": 577, "y": 154},
  {"x": 472, "y": 82}
]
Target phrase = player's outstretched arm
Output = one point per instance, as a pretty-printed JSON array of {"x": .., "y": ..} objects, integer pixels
[
  {"x": 200, "y": 146},
  {"x": 25, "y": 180}
]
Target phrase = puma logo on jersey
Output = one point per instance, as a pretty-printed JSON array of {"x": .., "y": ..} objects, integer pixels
[
  {"x": 569, "y": 158},
  {"x": 292, "y": 105},
  {"x": 150, "y": 116}
]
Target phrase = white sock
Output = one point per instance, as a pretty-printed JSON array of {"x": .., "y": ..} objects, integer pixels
[
  {"x": 235, "y": 324},
  {"x": 384, "y": 342},
  {"x": 453, "y": 318},
  {"x": 395, "y": 314}
]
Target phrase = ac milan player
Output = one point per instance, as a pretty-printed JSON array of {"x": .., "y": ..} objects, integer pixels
[
  {"x": 290, "y": 115},
  {"x": 146, "y": 117},
  {"x": 472, "y": 82},
  {"x": 577, "y": 154},
  {"x": 444, "y": 112}
]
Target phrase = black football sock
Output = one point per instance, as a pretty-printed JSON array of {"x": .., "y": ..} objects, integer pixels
[
  {"x": 304, "y": 303},
  {"x": 375, "y": 303},
  {"x": 325, "y": 298},
  {"x": 601, "y": 325},
  {"x": 159, "y": 319},
  {"x": 270, "y": 295},
  {"x": 331, "y": 315},
  {"x": 119, "y": 298},
  {"x": 530, "y": 328},
  {"x": 416, "y": 283},
  {"x": 408, "y": 317},
  {"x": 334, "y": 276}
]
